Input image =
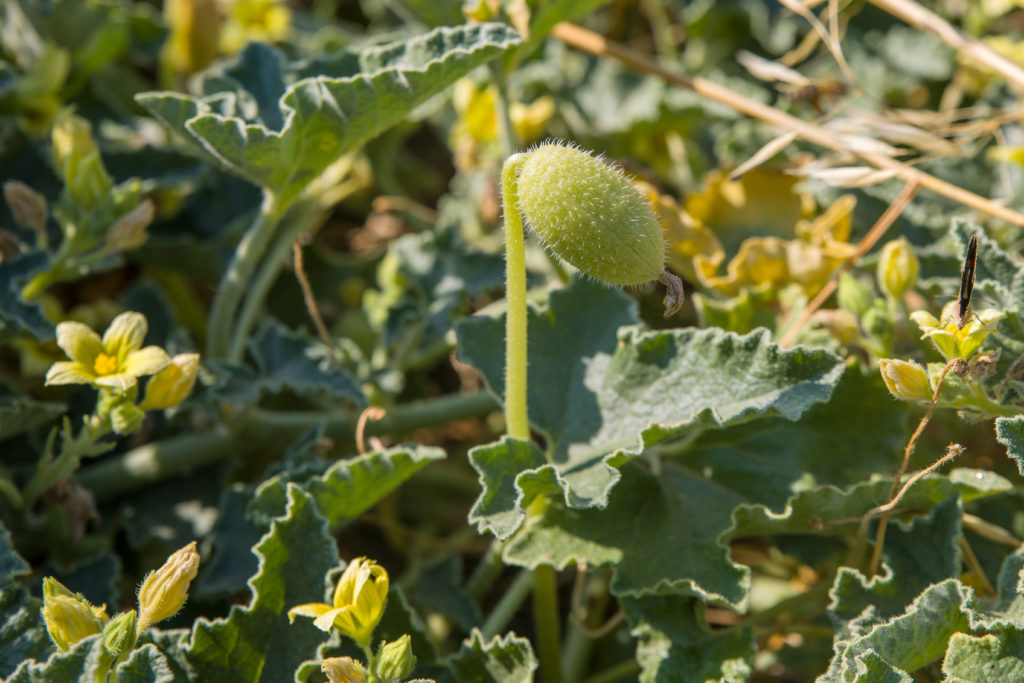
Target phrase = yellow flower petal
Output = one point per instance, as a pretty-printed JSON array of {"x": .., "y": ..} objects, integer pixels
[
  {"x": 125, "y": 334},
  {"x": 310, "y": 609},
  {"x": 147, "y": 361},
  {"x": 122, "y": 381},
  {"x": 325, "y": 621},
  {"x": 68, "y": 372},
  {"x": 79, "y": 342}
]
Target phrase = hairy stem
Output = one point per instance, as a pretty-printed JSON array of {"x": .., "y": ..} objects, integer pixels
[
  {"x": 235, "y": 282},
  {"x": 516, "y": 421}
]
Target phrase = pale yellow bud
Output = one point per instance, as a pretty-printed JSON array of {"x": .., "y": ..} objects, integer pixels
[
  {"x": 343, "y": 670},
  {"x": 897, "y": 268},
  {"x": 906, "y": 381},
  {"x": 163, "y": 591},
  {"x": 69, "y": 617},
  {"x": 78, "y": 161},
  {"x": 129, "y": 231},
  {"x": 395, "y": 660},
  {"x": 170, "y": 386}
]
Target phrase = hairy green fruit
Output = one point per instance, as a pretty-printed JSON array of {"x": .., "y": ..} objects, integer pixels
[{"x": 589, "y": 214}]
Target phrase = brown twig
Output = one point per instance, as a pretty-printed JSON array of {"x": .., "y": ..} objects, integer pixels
[
  {"x": 971, "y": 560},
  {"x": 579, "y": 611},
  {"x": 371, "y": 413},
  {"x": 880, "y": 227},
  {"x": 589, "y": 41},
  {"x": 307, "y": 296},
  {"x": 885, "y": 511}
]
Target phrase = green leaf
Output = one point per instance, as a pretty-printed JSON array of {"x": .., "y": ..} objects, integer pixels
[
  {"x": 233, "y": 535},
  {"x": 684, "y": 514},
  {"x": 504, "y": 659},
  {"x": 601, "y": 395},
  {"x": 915, "y": 556},
  {"x": 17, "y": 316},
  {"x": 23, "y": 635},
  {"x": 348, "y": 487},
  {"x": 980, "y": 659},
  {"x": 833, "y": 511},
  {"x": 285, "y": 360},
  {"x": 768, "y": 460},
  {"x": 78, "y": 663},
  {"x": 912, "y": 640},
  {"x": 256, "y": 642},
  {"x": 145, "y": 664},
  {"x": 1010, "y": 433},
  {"x": 327, "y": 117},
  {"x": 19, "y": 414},
  {"x": 675, "y": 643},
  {"x": 438, "y": 587}
]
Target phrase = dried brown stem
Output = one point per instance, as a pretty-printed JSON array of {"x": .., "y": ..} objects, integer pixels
[
  {"x": 307, "y": 296},
  {"x": 371, "y": 413},
  {"x": 589, "y": 41}
]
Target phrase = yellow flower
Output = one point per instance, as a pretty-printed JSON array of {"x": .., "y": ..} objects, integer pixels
[
  {"x": 170, "y": 386},
  {"x": 163, "y": 591},
  {"x": 905, "y": 381},
  {"x": 951, "y": 340},
  {"x": 265, "y": 21},
  {"x": 114, "y": 362},
  {"x": 358, "y": 605}
]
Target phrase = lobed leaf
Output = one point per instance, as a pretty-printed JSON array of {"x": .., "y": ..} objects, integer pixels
[
  {"x": 325, "y": 117},
  {"x": 23, "y": 636},
  {"x": 257, "y": 642},
  {"x": 675, "y": 643},
  {"x": 1010, "y": 433},
  {"x": 503, "y": 659},
  {"x": 601, "y": 395}
]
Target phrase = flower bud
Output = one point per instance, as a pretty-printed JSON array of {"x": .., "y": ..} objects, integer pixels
[
  {"x": 129, "y": 231},
  {"x": 68, "y": 616},
  {"x": 78, "y": 160},
  {"x": 126, "y": 417},
  {"x": 906, "y": 381},
  {"x": 120, "y": 634},
  {"x": 877, "y": 322},
  {"x": 897, "y": 268},
  {"x": 27, "y": 206},
  {"x": 854, "y": 296},
  {"x": 589, "y": 214},
  {"x": 170, "y": 386},
  {"x": 842, "y": 325},
  {"x": 983, "y": 364},
  {"x": 195, "y": 31},
  {"x": 395, "y": 660},
  {"x": 343, "y": 670},
  {"x": 163, "y": 591}
]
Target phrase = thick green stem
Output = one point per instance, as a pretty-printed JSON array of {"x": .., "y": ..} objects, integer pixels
[
  {"x": 162, "y": 459},
  {"x": 516, "y": 421},
  {"x": 509, "y": 604},
  {"x": 266, "y": 275},
  {"x": 546, "y": 617},
  {"x": 233, "y": 285}
]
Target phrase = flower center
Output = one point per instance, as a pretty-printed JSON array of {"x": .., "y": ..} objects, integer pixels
[{"x": 105, "y": 365}]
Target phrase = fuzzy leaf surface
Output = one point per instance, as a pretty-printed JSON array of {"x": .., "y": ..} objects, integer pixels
[
  {"x": 325, "y": 117},
  {"x": 503, "y": 659},
  {"x": 675, "y": 643},
  {"x": 601, "y": 395},
  {"x": 256, "y": 642},
  {"x": 23, "y": 635}
]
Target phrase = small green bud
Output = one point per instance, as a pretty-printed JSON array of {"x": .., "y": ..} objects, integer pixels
[
  {"x": 983, "y": 364},
  {"x": 877, "y": 322},
  {"x": 68, "y": 616},
  {"x": 27, "y": 206},
  {"x": 343, "y": 670},
  {"x": 589, "y": 214},
  {"x": 854, "y": 296},
  {"x": 78, "y": 160},
  {"x": 395, "y": 660},
  {"x": 170, "y": 386},
  {"x": 129, "y": 231},
  {"x": 126, "y": 417},
  {"x": 163, "y": 591},
  {"x": 897, "y": 268},
  {"x": 120, "y": 634},
  {"x": 906, "y": 381}
]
